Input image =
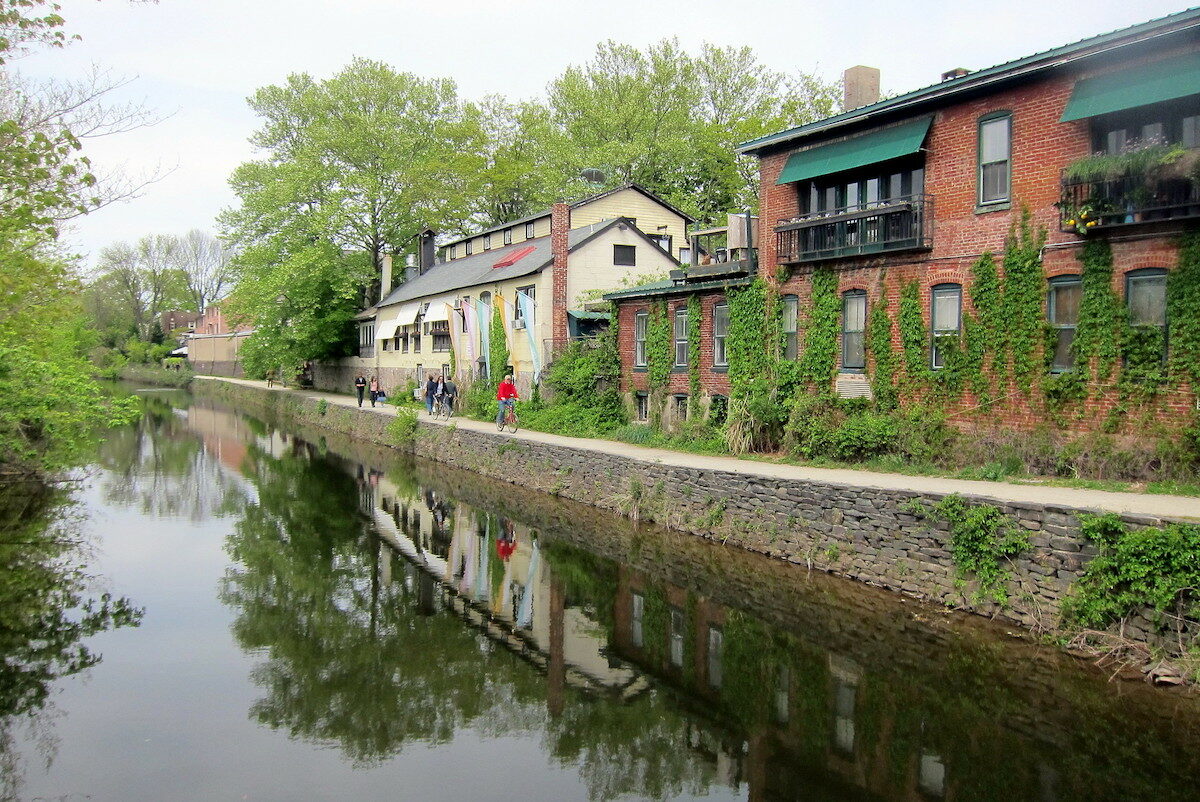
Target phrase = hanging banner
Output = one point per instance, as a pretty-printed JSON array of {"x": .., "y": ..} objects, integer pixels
[
  {"x": 528, "y": 308},
  {"x": 469, "y": 329},
  {"x": 483, "y": 318},
  {"x": 455, "y": 335}
]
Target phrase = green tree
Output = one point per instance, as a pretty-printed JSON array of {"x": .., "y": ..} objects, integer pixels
[{"x": 353, "y": 167}]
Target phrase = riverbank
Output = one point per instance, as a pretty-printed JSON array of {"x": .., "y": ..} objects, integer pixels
[{"x": 871, "y": 527}]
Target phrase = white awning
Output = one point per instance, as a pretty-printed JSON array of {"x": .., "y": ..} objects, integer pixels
[
  {"x": 408, "y": 313},
  {"x": 385, "y": 330},
  {"x": 438, "y": 309}
]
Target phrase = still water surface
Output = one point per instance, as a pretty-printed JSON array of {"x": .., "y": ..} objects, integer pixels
[{"x": 324, "y": 620}]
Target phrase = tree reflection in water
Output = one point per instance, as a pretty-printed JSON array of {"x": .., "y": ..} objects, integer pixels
[
  {"x": 49, "y": 604},
  {"x": 362, "y": 650}
]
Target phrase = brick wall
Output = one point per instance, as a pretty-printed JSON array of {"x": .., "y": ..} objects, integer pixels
[{"x": 560, "y": 227}]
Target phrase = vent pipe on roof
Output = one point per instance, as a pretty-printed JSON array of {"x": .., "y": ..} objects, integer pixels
[{"x": 860, "y": 87}]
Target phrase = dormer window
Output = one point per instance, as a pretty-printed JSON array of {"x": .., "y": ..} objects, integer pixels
[
  {"x": 529, "y": 230},
  {"x": 467, "y": 247},
  {"x": 487, "y": 242},
  {"x": 508, "y": 236}
]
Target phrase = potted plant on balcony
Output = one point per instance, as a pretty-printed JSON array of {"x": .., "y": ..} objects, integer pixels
[{"x": 1132, "y": 180}]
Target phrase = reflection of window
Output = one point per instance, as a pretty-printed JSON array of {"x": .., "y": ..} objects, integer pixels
[
  {"x": 783, "y": 707},
  {"x": 676, "y": 637},
  {"x": 791, "y": 341},
  {"x": 716, "y": 642},
  {"x": 995, "y": 149},
  {"x": 640, "y": 321},
  {"x": 854, "y": 324},
  {"x": 1062, "y": 312},
  {"x": 643, "y": 407},
  {"x": 681, "y": 337},
  {"x": 720, "y": 332},
  {"x": 519, "y": 321},
  {"x": 844, "y": 701},
  {"x": 945, "y": 318},
  {"x": 931, "y": 776},
  {"x": 635, "y": 619},
  {"x": 625, "y": 255}
]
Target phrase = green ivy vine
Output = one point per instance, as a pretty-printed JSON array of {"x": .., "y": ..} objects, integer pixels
[
  {"x": 914, "y": 337},
  {"x": 819, "y": 359},
  {"x": 497, "y": 348},
  {"x": 748, "y": 359},
  {"x": 883, "y": 356},
  {"x": 693, "y": 333},
  {"x": 1183, "y": 311},
  {"x": 1022, "y": 303},
  {"x": 659, "y": 346},
  {"x": 989, "y": 340}
]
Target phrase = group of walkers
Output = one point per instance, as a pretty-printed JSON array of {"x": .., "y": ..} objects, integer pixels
[{"x": 439, "y": 389}]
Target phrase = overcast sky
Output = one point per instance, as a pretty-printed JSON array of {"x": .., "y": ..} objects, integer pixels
[{"x": 198, "y": 60}]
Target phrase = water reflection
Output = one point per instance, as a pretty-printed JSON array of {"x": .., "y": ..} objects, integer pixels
[{"x": 389, "y": 605}]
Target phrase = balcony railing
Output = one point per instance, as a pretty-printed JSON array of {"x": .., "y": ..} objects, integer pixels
[
  {"x": 1126, "y": 200},
  {"x": 895, "y": 225}
]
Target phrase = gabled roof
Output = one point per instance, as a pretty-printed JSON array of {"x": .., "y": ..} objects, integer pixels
[
  {"x": 943, "y": 93},
  {"x": 479, "y": 268},
  {"x": 575, "y": 205}
]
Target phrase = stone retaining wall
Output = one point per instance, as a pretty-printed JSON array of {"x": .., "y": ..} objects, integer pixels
[{"x": 873, "y": 536}]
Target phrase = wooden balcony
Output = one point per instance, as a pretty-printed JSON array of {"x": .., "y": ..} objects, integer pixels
[{"x": 901, "y": 224}]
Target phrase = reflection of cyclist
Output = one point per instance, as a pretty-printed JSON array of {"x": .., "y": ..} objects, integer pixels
[
  {"x": 506, "y": 541},
  {"x": 506, "y": 396}
]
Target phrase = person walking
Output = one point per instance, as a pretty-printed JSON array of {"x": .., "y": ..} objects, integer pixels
[
  {"x": 430, "y": 392},
  {"x": 374, "y": 389},
  {"x": 360, "y": 387},
  {"x": 449, "y": 395},
  {"x": 506, "y": 395}
]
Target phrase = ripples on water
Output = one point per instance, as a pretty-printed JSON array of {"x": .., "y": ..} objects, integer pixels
[{"x": 325, "y": 620}]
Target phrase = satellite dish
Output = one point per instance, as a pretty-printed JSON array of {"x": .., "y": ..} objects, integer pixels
[{"x": 593, "y": 176}]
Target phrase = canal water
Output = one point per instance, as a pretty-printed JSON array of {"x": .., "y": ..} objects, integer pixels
[{"x": 327, "y": 620}]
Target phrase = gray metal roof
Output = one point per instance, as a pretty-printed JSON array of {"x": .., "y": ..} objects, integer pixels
[{"x": 477, "y": 269}]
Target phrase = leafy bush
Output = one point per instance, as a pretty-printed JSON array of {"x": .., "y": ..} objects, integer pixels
[{"x": 403, "y": 429}]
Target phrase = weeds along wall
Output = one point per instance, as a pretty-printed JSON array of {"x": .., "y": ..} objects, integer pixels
[{"x": 1026, "y": 562}]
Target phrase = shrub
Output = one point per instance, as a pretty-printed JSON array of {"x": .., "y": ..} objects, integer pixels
[{"x": 403, "y": 429}]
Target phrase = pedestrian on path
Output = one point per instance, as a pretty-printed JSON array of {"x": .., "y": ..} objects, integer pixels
[
  {"x": 374, "y": 390},
  {"x": 430, "y": 392},
  {"x": 360, "y": 386},
  {"x": 449, "y": 394}
]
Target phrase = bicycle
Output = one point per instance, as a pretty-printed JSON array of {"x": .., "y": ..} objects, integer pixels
[
  {"x": 441, "y": 407},
  {"x": 510, "y": 417}
]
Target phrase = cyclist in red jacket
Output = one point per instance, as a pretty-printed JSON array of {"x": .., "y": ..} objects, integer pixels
[{"x": 506, "y": 394}]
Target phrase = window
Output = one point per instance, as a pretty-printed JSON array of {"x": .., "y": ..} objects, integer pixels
[
  {"x": 681, "y": 337},
  {"x": 1062, "y": 312},
  {"x": 681, "y": 407},
  {"x": 676, "y": 637},
  {"x": 467, "y": 247},
  {"x": 487, "y": 242},
  {"x": 445, "y": 369},
  {"x": 529, "y": 231},
  {"x": 945, "y": 318},
  {"x": 685, "y": 256},
  {"x": 420, "y": 380},
  {"x": 661, "y": 240},
  {"x": 995, "y": 151},
  {"x": 396, "y": 343},
  {"x": 716, "y": 642},
  {"x": 791, "y": 340},
  {"x": 638, "y": 610},
  {"x": 440, "y": 329},
  {"x": 878, "y": 185},
  {"x": 625, "y": 255},
  {"x": 519, "y": 321},
  {"x": 720, "y": 332},
  {"x": 640, "y": 321},
  {"x": 416, "y": 337},
  {"x": 404, "y": 337},
  {"x": 508, "y": 236},
  {"x": 854, "y": 324},
  {"x": 642, "y": 402},
  {"x": 1146, "y": 297}
]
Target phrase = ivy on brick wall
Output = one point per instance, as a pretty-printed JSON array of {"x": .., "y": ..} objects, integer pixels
[
  {"x": 1023, "y": 317},
  {"x": 1183, "y": 312},
  {"x": 748, "y": 333},
  {"x": 693, "y": 332},
  {"x": 883, "y": 356},
  {"x": 914, "y": 337},
  {"x": 819, "y": 358},
  {"x": 1097, "y": 341},
  {"x": 660, "y": 353},
  {"x": 989, "y": 342}
]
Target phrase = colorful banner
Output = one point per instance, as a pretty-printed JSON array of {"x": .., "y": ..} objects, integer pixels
[
  {"x": 483, "y": 312},
  {"x": 469, "y": 329},
  {"x": 455, "y": 332},
  {"x": 528, "y": 308}
]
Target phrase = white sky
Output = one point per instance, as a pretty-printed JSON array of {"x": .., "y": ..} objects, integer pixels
[{"x": 198, "y": 60}]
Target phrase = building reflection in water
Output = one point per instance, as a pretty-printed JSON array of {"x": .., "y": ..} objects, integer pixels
[{"x": 835, "y": 703}]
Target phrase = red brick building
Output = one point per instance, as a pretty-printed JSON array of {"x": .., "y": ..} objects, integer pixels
[{"x": 909, "y": 192}]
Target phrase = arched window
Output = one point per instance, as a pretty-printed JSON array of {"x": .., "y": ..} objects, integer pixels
[
  {"x": 945, "y": 318},
  {"x": 854, "y": 326},
  {"x": 1062, "y": 313}
]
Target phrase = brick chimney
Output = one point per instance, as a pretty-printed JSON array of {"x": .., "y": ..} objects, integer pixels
[
  {"x": 560, "y": 227},
  {"x": 428, "y": 251},
  {"x": 860, "y": 87}
]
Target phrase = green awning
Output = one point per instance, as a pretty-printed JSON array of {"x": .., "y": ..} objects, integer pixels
[
  {"x": 876, "y": 146},
  {"x": 1138, "y": 86}
]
